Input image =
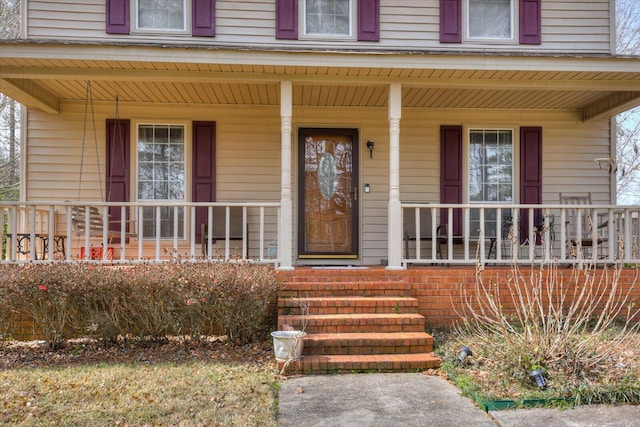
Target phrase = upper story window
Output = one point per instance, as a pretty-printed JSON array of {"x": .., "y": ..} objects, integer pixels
[
  {"x": 332, "y": 18},
  {"x": 161, "y": 15},
  {"x": 490, "y": 19},
  {"x": 328, "y": 19}
]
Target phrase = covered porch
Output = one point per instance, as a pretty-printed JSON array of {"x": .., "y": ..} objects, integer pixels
[{"x": 259, "y": 106}]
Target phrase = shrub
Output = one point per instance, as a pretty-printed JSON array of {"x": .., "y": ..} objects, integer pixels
[
  {"x": 540, "y": 318},
  {"x": 147, "y": 301},
  {"x": 6, "y": 313},
  {"x": 239, "y": 298},
  {"x": 51, "y": 296}
]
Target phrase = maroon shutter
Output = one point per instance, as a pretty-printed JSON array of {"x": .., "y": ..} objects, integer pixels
[
  {"x": 203, "y": 18},
  {"x": 530, "y": 175},
  {"x": 451, "y": 21},
  {"x": 451, "y": 174},
  {"x": 287, "y": 19},
  {"x": 118, "y": 167},
  {"x": 203, "y": 169},
  {"x": 530, "y": 22},
  {"x": 117, "y": 19},
  {"x": 369, "y": 20}
]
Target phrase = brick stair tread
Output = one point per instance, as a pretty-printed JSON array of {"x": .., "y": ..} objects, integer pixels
[
  {"x": 367, "y": 322},
  {"x": 368, "y": 337},
  {"x": 336, "y": 319},
  {"x": 346, "y": 302},
  {"x": 378, "y": 362},
  {"x": 296, "y": 300},
  {"x": 351, "y": 284},
  {"x": 357, "y": 287}
]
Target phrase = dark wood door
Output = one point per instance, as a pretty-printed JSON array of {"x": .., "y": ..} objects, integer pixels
[{"x": 328, "y": 207}]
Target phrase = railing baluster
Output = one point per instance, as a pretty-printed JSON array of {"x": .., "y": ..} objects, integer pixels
[
  {"x": 193, "y": 231},
  {"x": 434, "y": 235},
  {"x": 176, "y": 211},
  {"x": 141, "y": 232},
  {"x": 261, "y": 238},
  {"x": 481, "y": 237},
  {"x": 245, "y": 237},
  {"x": 418, "y": 234}
]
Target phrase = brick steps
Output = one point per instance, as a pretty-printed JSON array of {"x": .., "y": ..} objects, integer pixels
[
  {"x": 329, "y": 364},
  {"x": 349, "y": 305},
  {"x": 354, "y": 324}
]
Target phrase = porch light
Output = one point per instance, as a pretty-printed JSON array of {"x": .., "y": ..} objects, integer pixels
[
  {"x": 464, "y": 352},
  {"x": 538, "y": 376},
  {"x": 370, "y": 145}
]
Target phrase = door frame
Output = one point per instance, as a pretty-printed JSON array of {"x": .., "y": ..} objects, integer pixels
[{"x": 354, "y": 133}]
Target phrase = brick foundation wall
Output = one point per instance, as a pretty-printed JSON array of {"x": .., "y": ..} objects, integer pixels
[
  {"x": 436, "y": 288},
  {"x": 23, "y": 328}
]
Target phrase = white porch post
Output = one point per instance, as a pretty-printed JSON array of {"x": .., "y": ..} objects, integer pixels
[
  {"x": 286, "y": 206},
  {"x": 394, "y": 246}
]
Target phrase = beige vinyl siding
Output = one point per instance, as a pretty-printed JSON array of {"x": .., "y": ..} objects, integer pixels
[
  {"x": 247, "y": 157},
  {"x": 248, "y": 154},
  {"x": 568, "y": 26}
]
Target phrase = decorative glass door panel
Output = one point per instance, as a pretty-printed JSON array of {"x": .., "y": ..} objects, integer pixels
[{"x": 328, "y": 193}]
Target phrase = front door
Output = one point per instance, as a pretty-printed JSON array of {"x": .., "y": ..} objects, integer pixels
[{"x": 328, "y": 188}]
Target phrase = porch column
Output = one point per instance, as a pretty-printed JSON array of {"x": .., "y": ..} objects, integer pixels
[
  {"x": 394, "y": 246},
  {"x": 286, "y": 206}
]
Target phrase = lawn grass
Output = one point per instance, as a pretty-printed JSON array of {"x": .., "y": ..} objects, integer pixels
[{"x": 187, "y": 393}]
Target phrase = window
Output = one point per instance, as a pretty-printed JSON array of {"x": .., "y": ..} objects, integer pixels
[
  {"x": 161, "y": 15},
  {"x": 490, "y": 19},
  {"x": 328, "y": 18},
  {"x": 491, "y": 178},
  {"x": 161, "y": 176}
]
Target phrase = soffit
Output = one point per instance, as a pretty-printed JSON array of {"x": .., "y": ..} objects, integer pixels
[{"x": 354, "y": 86}]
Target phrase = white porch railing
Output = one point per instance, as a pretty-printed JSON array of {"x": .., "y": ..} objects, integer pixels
[
  {"x": 66, "y": 231},
  {"x": 433, "y": 233},
  {"x": 496, "y": 234}
]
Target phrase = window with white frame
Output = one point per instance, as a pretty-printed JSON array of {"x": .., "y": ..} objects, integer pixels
[
  {"x": 161, "y": 176},
  {"x": 328, "y": 18},
  {"x": 490, "y": 19},
  {"x": 161, "y": 15},
  {"x": 491, "y": 173}
]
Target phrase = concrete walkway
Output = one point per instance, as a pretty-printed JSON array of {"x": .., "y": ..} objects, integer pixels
[{"x": 419, "y": 400}]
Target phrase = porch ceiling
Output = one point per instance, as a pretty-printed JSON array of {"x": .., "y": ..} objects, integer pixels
[{"x": 45, "y": 83}]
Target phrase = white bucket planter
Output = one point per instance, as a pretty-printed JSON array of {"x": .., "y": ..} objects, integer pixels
[{"x": 287, "y": 345}]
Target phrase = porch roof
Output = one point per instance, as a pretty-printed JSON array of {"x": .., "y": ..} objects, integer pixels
[{"x": 43, "y": 75}]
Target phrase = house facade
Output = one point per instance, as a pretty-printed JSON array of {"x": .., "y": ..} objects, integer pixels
[{"x": 328, "y": 132}]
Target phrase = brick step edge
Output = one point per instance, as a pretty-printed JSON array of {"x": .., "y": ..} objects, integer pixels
[
  {"x": 348, "y": 304},
  {"x": 314, "y": 289},
  {"x": 325, "y": 364},
  {"x": 337, "y": 323}
]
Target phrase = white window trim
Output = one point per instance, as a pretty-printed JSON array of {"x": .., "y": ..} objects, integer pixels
[
  {"x": 515, "y": 160},
  {"x": 302, "y": 24},
  {"x": 466, "y": 38},
  {"x": 186, "y": 21},
  {"x": 133, "y": 186}
]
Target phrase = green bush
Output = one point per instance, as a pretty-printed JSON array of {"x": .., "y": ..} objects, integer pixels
[{"x": 147, "y": 301}]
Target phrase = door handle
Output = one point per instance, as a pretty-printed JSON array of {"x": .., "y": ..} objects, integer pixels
[{"x": 355, "y": 193}]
